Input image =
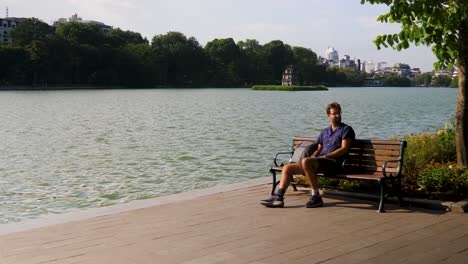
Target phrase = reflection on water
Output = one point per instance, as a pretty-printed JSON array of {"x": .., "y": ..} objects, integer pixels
[{"x": 63, "y": 150}]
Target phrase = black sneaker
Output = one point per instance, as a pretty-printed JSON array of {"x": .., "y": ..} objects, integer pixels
[
  {"x": 273, "y": 201},
  {"x": 269, "y": 199},
  {"x": 315, "y": 201}
]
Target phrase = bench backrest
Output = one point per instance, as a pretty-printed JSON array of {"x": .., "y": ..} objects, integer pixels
[{"x": 368, "y": 156}]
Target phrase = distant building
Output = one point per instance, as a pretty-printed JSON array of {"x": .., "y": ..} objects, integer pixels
[
  {"x": 289, "y": 76},
  {"x": 7, "y": 25},
  {"x": 332, "y": 56},
  {"x": 322, "y": 61},
  {"x": 76, "y": 18},
  {"x": 373, "y": 67},
  {"x": 346, "y": 62},
  {"x": 448, "y": 73},
  {"x": 455, "y": 73},
  {"x": 415, "y": 72}
]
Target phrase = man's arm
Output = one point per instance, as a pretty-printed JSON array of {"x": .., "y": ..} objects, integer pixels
[
  {"x": 317, "y": 152},
  {"x": 345, "y": 145}
]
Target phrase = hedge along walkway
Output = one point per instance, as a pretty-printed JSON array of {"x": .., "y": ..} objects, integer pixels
[{"x": 232, "y": 227}]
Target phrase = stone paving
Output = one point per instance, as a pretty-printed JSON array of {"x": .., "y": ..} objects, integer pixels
[{"x": 232, "y": 227}]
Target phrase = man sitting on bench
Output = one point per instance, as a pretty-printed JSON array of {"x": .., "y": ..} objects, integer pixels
[{"x": 333, "y": 145}]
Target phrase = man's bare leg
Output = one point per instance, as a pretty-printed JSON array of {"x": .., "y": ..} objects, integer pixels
[
  {"x": 287, "y": 173},
  {"x": 311, "y": 166}
]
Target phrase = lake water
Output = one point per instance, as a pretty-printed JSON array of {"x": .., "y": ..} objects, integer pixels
[{"x": 65, "y": 150}]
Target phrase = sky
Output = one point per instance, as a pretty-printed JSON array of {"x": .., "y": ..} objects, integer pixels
[{"x": 346, "y": 25}]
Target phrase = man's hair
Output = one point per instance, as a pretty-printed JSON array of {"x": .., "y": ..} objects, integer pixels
[{"x": 333, "y": 105}]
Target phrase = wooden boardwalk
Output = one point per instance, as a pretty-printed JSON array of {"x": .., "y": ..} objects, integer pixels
[{"x": 232, "y": 227}]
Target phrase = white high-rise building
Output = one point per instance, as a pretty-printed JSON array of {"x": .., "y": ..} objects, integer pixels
[{"x": 332, "y": 56}]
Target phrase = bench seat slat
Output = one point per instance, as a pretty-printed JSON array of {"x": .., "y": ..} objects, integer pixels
[
  {"x": 359, "y": 169},
  {"x": 376, "y": 142},
  {"x": 375, "y": 152},
  {"x": 362, "y": 176},
  {"x": 373, "y": 147},
  {"x": 374, "y": 163}
]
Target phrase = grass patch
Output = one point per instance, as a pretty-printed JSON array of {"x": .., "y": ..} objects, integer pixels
[{"x": 290, "y": 88}]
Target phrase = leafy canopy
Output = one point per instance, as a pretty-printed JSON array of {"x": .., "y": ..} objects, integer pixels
[{"x": 427, "y": 22}]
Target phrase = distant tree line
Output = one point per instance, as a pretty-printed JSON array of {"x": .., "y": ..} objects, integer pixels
[
  {"x": 429, "y": 79},
  {"x": 76, "y": 54}
]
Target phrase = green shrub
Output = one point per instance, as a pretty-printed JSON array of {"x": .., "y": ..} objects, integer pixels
[
  {"x": 424, "y": 149},
  {"x": 444, "y": 177},
  {"x": 429, "y": 164}
]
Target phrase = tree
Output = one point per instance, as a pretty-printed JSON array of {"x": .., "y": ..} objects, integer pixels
[
  {"x": 29, "y": 30},
  {"x": 354, "y": 78},
  {"x": 13, "y": 62},
  {"x": 182, "y": 59},
  {"x": 83, "y": 41},
  {"x": 442, "y": 24},
  {"x": 454, "y": 83},
  {"x": 119, "y": 38},
  {"x": 32, "y": 34},
  {"x": 305, "y": 61},
  {"x": 393, "y": 80},
  {"x": 424, "y": 79},
  {"x": 224, "y": 57},
  {"x": 249, "y": 60},
  {"x": 442, "y": 81},
  {"x": 77, "y": 33},
  {"x": 279, "y": 55}
]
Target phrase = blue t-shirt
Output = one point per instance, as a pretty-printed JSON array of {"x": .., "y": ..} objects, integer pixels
[{"x": 331, "y": 140}]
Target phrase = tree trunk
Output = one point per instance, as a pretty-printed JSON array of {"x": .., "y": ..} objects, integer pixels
[{"x": 462, "y": 108}]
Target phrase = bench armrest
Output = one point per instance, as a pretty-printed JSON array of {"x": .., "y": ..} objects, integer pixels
[
  {"x": 397, "y": 173},
  {"x": 343, "y": 164},
  {"x": 281, "y": 153}
]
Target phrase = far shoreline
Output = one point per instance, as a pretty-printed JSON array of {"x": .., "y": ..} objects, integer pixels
[{"x": 82, "y": 87}]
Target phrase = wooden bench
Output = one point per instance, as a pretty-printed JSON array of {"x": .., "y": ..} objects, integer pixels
[{"x": 374, "y": 160}]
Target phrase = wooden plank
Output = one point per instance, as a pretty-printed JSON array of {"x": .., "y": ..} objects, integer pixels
[
  {"x": 380, "y": 160},
  {"x": 363, "y": 176},
  {"x": 379, "y": 169},
  {"x": 373, "y": 147},
  {"x": 359, "y": 142},
  {"x": 376, "y": 152}
]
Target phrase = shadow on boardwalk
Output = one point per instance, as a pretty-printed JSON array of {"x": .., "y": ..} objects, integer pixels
[{"x": 232, "y": 227}]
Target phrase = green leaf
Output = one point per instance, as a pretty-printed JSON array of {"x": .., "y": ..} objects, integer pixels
[
  {"x": 402, "y": 35},
  {"x": 405, "y": 44},
  {"x": 390, "y": 41}
]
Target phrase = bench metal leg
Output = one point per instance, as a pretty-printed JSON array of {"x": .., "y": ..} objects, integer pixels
[
  {"x": 274, "y": 183},
  {"x": 382, "y": 196},
  {"x": 396, "y": 185}
]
